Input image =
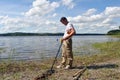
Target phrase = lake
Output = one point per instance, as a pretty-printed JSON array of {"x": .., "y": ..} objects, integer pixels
[{"x": 41, "y": 47}]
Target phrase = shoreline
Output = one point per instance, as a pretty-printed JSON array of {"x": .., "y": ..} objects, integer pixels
[{"x": 103, "y": 66}]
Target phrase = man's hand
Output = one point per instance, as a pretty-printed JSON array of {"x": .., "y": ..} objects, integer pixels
[{"x": 61, "y": 40}]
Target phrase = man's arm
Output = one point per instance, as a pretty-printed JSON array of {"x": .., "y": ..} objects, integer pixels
[{"x": 71, "y": 32}]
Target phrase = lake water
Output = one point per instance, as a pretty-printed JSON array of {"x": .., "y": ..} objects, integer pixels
[{"x": 40, "y": 47}]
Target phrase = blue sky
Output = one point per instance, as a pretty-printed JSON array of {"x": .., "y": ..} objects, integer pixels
[{"x": 41, "y": 16}]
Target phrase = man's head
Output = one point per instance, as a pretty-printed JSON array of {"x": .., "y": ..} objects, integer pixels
[{"x": 64, "y": 20}]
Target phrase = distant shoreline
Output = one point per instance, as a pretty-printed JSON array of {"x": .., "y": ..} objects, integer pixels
[{"x": 44, "y": 34}]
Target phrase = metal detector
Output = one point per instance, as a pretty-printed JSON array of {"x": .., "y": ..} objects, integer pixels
[
  {"x": 45, "y": 75},
  {"x": 51, "y": 69}
]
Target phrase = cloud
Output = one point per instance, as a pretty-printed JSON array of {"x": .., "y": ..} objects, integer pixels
[
  {"x": 101, "y": 22},
  {"x": 27, "y": 24},
  {"x": 90, "y": 12},
  {"x": 88, "y": 19},
  {"x": 43, "y": 17},
  {"x": 13, "y": 24},
  {"x": 54, "y": 15},
  {"x": 69, "y": 3},
  {"x": 33, "y": 20},
  {"x": 112, "y": 12},
  {"x": 42, "y": 7}
]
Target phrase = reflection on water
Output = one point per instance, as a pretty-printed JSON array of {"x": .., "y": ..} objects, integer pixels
[{"x": 40, "y": 47}]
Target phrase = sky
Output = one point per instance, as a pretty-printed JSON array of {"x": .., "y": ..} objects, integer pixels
[{"x": 43, "y": 16}]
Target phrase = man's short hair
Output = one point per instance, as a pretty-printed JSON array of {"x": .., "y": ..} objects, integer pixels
[{"x": 63, "y": 19}]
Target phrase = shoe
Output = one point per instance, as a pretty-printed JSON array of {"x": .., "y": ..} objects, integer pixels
[
  {"x": 60, "y": 66},
  {"x": 68, "y": 67}
]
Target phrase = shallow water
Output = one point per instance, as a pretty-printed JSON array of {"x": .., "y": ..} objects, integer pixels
[{"x": 40, "y": 47}]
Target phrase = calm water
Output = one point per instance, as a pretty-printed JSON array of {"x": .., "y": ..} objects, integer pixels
[{"x": 40, "y": 47}]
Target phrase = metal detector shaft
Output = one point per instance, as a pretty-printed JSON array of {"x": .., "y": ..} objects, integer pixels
[
  {"x": 51, "y": 71},
  {"x": 56, "y": 56}
]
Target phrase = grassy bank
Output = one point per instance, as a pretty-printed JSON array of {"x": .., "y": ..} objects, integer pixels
[{"x": 101, "y": 66}]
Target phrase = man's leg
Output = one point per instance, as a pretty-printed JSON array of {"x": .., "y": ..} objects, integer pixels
[
  {"x": 64, "y": 57},
  {"x": 70, "y": 59},
  {"x": 69, "y": 54}
]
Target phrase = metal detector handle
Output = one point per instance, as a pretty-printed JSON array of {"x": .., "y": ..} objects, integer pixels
[{"x": 56, "y": 56}]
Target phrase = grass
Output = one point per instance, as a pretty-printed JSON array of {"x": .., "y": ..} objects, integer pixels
[
  {"x": 27, "y": 70},
  {"x": 21, "y": 70},
  {"x": 19, "y": 66},
  {"x": 108, "y": 51}
]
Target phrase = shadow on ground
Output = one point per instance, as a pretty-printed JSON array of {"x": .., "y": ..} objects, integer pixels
[{"x": 97, "y": 66}]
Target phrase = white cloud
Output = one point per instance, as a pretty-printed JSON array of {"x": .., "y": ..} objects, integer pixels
[
  {"x": 54, "y": 15},
  {"x": 13, "y": 24},
  {"x": 35, "y": 19},
  {"x": 69, "y": 3},
  {"x": 84, "y": 19},
  {"x": 41, "y": 8},
  {"x": 101, "y": 22},
  {"x": 112, "y": 10},
  {"x": 108, "y": 20},
  {"x": 90, "y": 12},
  {"x": 27, "y": 24}
]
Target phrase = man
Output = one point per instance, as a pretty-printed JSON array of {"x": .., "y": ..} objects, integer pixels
[{"x": 67, "y": 55}]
